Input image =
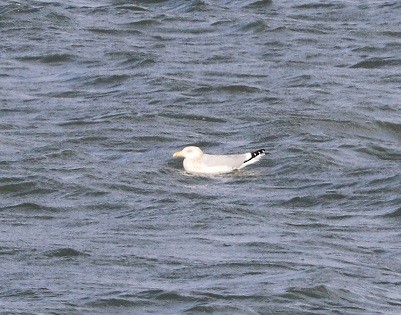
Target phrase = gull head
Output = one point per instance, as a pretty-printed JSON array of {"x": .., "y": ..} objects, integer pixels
[{"x": 191, "y": 152}]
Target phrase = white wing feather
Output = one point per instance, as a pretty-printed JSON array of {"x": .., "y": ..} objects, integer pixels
[{"x": 219, "y": 164}]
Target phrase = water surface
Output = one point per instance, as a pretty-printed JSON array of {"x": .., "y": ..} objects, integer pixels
[{"x": 96, "y": 217}]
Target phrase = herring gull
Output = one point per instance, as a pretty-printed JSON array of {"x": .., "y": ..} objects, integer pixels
[{"x": 195, "y": 161}]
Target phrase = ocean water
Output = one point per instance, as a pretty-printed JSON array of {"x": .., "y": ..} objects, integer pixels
[{"x": 96, "y": 217}]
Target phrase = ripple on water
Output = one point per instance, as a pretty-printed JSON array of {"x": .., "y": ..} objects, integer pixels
[{"x": 97, "y": 217}]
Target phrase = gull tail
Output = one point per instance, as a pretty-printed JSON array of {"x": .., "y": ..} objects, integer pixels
[{"x": 253, "y": 157}]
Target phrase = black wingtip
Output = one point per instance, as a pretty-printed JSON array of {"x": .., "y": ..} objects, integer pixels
[
  {"x": 255, "y": 154},
  {"x": 258, "y": 152}
]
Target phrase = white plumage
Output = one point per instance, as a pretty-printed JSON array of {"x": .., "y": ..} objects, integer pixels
[{"x": 195, "y": 161}]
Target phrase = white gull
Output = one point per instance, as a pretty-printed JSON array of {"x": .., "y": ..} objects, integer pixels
[{"x": 195, "y": 161}]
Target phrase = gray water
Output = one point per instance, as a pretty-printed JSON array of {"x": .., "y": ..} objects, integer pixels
[{"x": 96, "y": 217}]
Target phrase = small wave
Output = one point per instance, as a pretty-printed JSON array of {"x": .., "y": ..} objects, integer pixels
[
  {"x": 321, "y": 5},
  {"x": 65, "y": 253},
  {"x": 5, "y": 9},
  {"x": 255, "y": 27},
  {"x": 394, "y": 214},
  {"x": 18, "y": 7},
  {"x": 49, "y": 58},
  {"x": 232, "y": 88},
  {"x": 105, "y": 31},
  {"x": 259, "y": 4},
  {"x": 195, "y": 117},
  {"x": 142, "y": 23},
  {"x": 139, "y": 62},
  {"x": 8, "y": 251},
  {"x": 116, "y": 302},
  {"x": 59, "y": 19},
  {"x": 29, "y": 206},
  {"x": 163, "y": 295},
  {"x": 29, "y": 185},
  {"x": 323, "y": 296},
  {"x": 131, "y": 7},
  {"x": 95, "y": 119},
  {"x": 218, "y": 308},
  {"x": 317, "y": 292},
  {"x": 193, "y": 6},
  {"x": 377, "y": 63},
  {"x": 311, "y": 201},
  {"x": 23, "y": 187},
  {"x": 395, "y": 34},
  {"x": 381, "y": 152},
  {"x": 144, "y": 298},
  {"x": 390, "y": 126},
  {"x": 108, "y": 79}
]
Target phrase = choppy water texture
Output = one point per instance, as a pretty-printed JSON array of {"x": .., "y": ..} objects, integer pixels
[{"x": 97, "y": 217}]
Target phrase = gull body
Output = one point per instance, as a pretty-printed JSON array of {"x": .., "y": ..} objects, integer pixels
[{"x": 197, "y": 162}]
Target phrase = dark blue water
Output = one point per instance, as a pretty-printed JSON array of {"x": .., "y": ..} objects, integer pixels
[{"x": 96, "y": 217}]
